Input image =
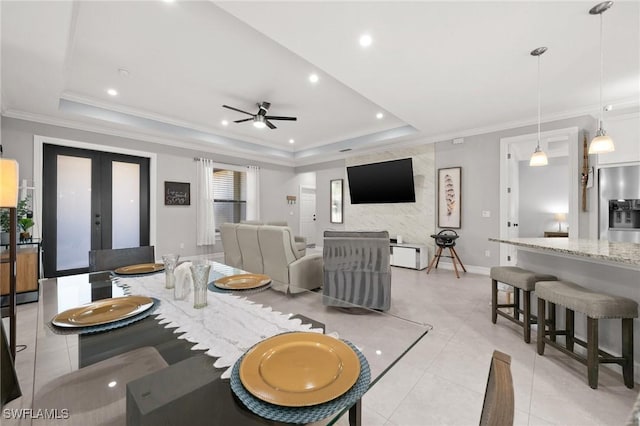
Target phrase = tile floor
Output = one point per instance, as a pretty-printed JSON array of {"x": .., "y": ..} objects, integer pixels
[{"x": 441, "y": 381}]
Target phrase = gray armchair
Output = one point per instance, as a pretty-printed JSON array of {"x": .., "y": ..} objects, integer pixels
[{"x": 356, "y": 269}]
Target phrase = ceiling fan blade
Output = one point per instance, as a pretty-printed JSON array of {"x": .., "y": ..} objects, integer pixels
[
  {"x": 243, "y": 120},
  {"x": 236, "y": 109},
  {"x": 275, "y": 117},
  {"x": 269, "y": 124}
]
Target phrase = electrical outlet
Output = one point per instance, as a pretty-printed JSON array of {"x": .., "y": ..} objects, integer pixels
[
  {"x": 486, "y": 213},
  {"x": 487, "y": 253},
  {"x": 181, "y": 245}
]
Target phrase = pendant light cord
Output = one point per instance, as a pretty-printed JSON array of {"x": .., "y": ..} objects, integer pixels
[
  {"x": 539, "y": 102},
  {"x": 601, "y": 71}
]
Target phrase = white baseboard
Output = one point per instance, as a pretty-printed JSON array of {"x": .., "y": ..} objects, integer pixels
[{"x": 482, "y": 270}]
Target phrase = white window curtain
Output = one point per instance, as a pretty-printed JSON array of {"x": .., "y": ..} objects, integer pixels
[
  {"x": 253, "y": 193},
  {"x": 205, "y": 221}
]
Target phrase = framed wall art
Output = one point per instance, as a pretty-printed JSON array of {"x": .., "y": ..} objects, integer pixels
[
  {"x": 449, "y": 197},
  {"x": 177, "y": 193}
]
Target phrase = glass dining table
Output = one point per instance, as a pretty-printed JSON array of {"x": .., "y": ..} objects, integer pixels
[{"x": 195, "y": 387}]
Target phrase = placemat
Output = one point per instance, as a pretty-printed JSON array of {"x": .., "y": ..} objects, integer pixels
[
  {"x": 300, "y": 415},
  {"x": 105, "y": 327}
]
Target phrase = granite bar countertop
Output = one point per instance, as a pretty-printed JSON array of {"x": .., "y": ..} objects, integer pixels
[{"x": 602, "y": 250}]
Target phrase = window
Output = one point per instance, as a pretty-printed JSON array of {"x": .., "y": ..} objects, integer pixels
[{"x": 229, "y": 196}]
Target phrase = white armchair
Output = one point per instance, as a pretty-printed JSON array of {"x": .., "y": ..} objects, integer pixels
[{"x": 289, "y": 271}]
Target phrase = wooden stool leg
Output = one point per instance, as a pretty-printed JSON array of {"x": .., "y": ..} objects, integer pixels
[
  {"x": 552, "y": 322},
  {"x": 494, "y": 301},
  {"x": 458, "y": 257},
  {"x": 453, "y": 260},
  {"x": 541, "y": 326},
  {"x": 527, "y": 315},
  {"x": 592, "y": 352},
  {"x": 569, "y": 325},
  {"x": 435, "y": 256},
  {"x": 439, "y": 256},
  {"x": 627, "y": 351},
  {"x": 516, "y": 301}
]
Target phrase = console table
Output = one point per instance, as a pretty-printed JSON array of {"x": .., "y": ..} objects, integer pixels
[
  {"x": 27, "y": 272},
  {"x": 414, "y": 256}
]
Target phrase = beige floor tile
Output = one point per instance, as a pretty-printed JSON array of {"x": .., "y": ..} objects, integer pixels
[
  {"x": 441, "y": 381},
  {"x": 385, "y": 396},
  {"x": 437, "y": 401}
]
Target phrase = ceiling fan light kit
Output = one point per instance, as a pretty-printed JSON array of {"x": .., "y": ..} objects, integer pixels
[
  {"x": 260, "y": 119},
  {"x": 601, "y": 143}
]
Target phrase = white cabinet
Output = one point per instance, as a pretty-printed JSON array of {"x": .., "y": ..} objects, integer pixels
[
  {"x": 412, "y": 256},
  {"x": 625, "y": 132}
]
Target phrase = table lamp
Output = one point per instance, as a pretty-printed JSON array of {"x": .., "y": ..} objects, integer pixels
[
  {"x": 9, "y": 199},
  {"x": 560, "y": 217}
]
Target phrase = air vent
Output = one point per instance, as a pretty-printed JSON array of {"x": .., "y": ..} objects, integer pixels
[{"x": 345, "y": 150}]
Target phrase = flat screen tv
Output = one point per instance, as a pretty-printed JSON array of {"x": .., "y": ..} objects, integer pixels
[{"x": 386, "y": 182}]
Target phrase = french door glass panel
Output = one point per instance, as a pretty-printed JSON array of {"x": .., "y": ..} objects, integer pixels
[
  {"x": 125, "y": 208},
  {"x": 73, "y": 212}
]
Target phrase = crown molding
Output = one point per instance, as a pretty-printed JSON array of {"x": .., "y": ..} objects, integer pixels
[{"x": 197, "y": 146}]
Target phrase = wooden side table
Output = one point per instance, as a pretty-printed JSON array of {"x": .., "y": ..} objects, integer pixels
[{"x": 555, "y": 234}]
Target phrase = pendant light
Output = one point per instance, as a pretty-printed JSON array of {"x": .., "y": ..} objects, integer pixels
[
  {"x": 601, "y": 143},
  {"x": 538, "y": 158}
]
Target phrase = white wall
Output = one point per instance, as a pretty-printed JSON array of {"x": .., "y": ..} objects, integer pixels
[
  {"x": 543, "y": 192},
  {"x": 275, "y": 185}
]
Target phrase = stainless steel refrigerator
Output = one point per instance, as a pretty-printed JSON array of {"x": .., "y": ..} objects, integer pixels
[{"x": 619, "y": 204}]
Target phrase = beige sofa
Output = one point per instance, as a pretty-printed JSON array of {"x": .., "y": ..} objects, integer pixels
[
  {"x": 271, "y": 250},
  {"x": 301, "y": 242}
]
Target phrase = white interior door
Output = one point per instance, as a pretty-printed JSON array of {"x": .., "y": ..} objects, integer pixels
[
  {"x": 308, "y": 213},
  {"x": 519, "y": 148}
]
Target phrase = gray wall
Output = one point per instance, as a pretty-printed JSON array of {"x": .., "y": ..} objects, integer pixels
[
  {"x": 479, "y": 158},
  {"x": 175, "y": 225},
  {"x": 544, "y": 191}
]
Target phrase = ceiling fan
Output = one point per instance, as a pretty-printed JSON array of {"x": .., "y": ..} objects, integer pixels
[{"x": 260, "y": 119}]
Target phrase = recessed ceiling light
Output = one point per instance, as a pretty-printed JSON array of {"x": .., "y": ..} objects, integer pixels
[
  {"x": 379, "y": 115},
  {"x": 365, "y": 40},
  {"x": 291, "y": 141},
  {"x": 225, "y": 123},
  {"x": 169, "y": 1},
  {"x": 112, "y": 92},
  {"x": 313, "y": 78}
]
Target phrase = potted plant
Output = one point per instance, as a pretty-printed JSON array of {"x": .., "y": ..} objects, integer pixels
[
  {"x": 4, "y": 226},
  {"x": 25, "y": 223}
]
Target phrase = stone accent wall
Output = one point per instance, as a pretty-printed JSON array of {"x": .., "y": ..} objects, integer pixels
[{"x": 414, "y": 221}]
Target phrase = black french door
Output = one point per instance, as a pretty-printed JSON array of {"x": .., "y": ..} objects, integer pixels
[{"x": 91, "y": 200}]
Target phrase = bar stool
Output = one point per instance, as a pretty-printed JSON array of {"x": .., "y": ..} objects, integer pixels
[
  {"x": 446, "y": 239},
  {"x": 523, "y": 283},
  {"x": 595, "y": 306}
]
